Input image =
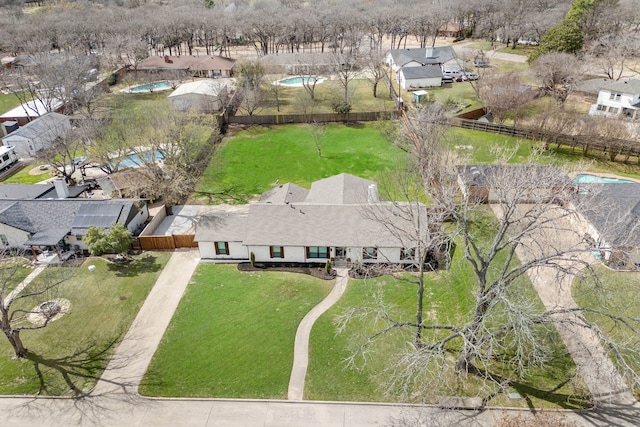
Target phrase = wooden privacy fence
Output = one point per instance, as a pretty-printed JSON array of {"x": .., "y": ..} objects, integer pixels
[
  {"x": 174, "y": 241},
  {"x": 609, "y": 146},
  {"x": 280, "y": 119}
]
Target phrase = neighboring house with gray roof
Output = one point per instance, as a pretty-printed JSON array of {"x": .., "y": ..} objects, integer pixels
[
  {"x": 38, "y": 134},
  {"x": 339, "y": 217},
  {"x": 478, "y": 183},
  {"x": 418, "y": 77},
  {"x": 422, "y": 67},
  {"x": 612, "y": 214},
  {"x": 444, "y": 56},
  {"x": 60, "y": 224},
  {"x": 616, "y": 98}
]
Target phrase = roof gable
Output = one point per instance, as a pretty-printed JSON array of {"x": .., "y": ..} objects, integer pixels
[{"x": 339, "y": 189}]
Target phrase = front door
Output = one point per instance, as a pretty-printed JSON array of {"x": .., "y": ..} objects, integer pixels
[{"x": 341, "y": 252}]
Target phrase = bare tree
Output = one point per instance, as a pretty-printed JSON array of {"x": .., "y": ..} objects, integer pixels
[
  {"x": 503, "y": 95},
  {"x": 532, "y": 235},
  {"x": 318, "y": 131},
  {"x": 14, "y": 317},
  {"x": 558, "y": 73},
  {"x": 612, "y": 52}
]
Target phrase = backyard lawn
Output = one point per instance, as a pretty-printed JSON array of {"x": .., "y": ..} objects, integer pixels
[
  {"x": 103, "y": 303},
  {"x": 8, "y": 101},
  {"x": 233, "y": 334},
  {"x": 29, "y": 174},
  {"x": 295, "y": 100},
  {"x": 252, "y": 161},
  {"x": 616, "y": 293}
]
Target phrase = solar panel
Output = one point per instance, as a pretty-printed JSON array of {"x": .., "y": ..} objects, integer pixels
[{"x": 98, "y": 215}]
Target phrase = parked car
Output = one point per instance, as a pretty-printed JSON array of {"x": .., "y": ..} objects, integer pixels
[
  {"x": 481, "y": 63},
  {"x": 470, "y": 76}
]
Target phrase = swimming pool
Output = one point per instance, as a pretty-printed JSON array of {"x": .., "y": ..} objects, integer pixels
[
  {"x": 163, "y": 85},
  {"x": 135, "y": 159},
  {"x": 298, "y": 81},
  {"x": 585, "y": 178}
]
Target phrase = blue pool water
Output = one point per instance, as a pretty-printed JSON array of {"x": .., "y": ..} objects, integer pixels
[
  {"x": 585, "y": 178},
  {"x": 133, "y": 160},
  {"x": 298, "y": 81},
  {"x": 165, "y": 85}
]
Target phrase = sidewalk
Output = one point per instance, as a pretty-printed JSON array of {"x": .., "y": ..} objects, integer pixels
[{"x": 36, "y": 271}]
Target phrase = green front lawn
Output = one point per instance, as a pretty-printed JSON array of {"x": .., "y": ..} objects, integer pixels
[
  {"x": 104, "y": 302},
  {"x": 448, "y": 300},
  {"x": 615, "y": 293},
  {"x": 252, "y": 161},
  {"x": 233, "y": 334}
]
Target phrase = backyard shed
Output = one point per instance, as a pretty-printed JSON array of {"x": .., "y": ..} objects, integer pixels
[
  {"x": 205, "y": 96},
  {"x": 38, "y": 134}
]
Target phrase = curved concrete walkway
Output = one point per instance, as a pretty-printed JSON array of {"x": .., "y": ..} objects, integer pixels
[
  {"x": 301, "y": 346},
  {"x": 115, "y": 402}
]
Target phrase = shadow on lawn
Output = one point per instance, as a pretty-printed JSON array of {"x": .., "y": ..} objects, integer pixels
[
  {"x": 135, "y": 267},
  {"x": 575, "y": 401},
  {"x": 76, "y": 371}
]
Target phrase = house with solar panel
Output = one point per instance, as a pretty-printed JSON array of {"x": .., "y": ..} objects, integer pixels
[
  {"x": 50, "y": 221},
  {"x": 340, "y": 218}
]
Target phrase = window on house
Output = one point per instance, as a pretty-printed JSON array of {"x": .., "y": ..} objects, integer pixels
[
  {"x": 613, "y": 110},
  {"x": 369, "y": 253},
  {"x": 5, "y": 157},
  {"x": 602, "y": 107},
  {"x": 222, "y": 248},
  {"x": 317, "y": 252},
  {"x": 408, "y": 254},
  {"x": 4, "y": 240},
  {"x": 618, "y": 96},
  {"x": 78, "y": 236},
  {"x": 276, "y": 251}
]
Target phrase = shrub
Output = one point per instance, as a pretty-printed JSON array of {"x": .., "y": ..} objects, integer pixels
[
  {"x": 342, "y": 108},
  {"x": 327, "y": 267},
  {"x": 252, "y": 258},
  {"x": 112, "y": 79}
]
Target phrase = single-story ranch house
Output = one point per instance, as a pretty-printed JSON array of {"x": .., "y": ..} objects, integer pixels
[
  {"x": 478, "y": 183},
  {"x": 54, "y": 221},
  {"x": 612, "y": 214},
  {"x": 196, "y": 66},
  {"x": 339, "y": 218}
]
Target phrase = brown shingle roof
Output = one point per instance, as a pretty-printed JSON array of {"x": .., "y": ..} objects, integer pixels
[{"x": 194, "y": 63}]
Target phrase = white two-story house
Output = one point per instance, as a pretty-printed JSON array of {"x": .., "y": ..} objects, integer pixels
[{"x": 618, "y": 99}]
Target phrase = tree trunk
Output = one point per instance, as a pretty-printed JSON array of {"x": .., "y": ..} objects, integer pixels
[
  {"x": 419, "y": 305},
  {"x": 14, "y": 339},
  {"x": 375, "y": 89}
]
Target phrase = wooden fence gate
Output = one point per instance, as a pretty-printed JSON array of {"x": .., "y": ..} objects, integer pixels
[{"x": 149, "y": 243}]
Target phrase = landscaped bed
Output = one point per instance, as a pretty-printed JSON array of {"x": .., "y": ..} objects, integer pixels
[
  {"x": 233, "y": 334},
  {"x": 101, "y": 306}
]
